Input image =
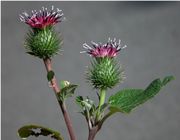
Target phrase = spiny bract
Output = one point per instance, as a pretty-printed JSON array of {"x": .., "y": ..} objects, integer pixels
[
  {"x": 105, "y": 73},
  {"x": 43, "y": 43}
]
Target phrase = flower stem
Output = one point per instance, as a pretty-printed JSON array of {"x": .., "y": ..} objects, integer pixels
[
  {"x": 102, "y": 97},
  {"x": 56, "y": 90},
  {"x": 101, "y": 102}
]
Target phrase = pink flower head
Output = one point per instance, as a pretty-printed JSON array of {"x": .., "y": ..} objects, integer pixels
[
  {"x": 43, "y": 18},
  {"x": 110, "y": 49}
]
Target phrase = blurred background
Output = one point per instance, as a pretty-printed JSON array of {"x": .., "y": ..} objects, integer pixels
[{"x": 151, "y": 30}]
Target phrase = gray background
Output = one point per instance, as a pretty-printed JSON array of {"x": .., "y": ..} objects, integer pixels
[{"x": 151, "y": 31}]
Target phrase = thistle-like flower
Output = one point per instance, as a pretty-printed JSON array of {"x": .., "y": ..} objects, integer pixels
[
  {"x": 43, "y": 18},
  {"x": 104, "y": 72},
  {"x": 42, "y": 40},
  {"x": 110, "y": 49}
]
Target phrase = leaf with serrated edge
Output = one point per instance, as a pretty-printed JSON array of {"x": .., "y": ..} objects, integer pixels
[
  {"x": 30, "y": 130},
  {"x": 126, "y": 100}
]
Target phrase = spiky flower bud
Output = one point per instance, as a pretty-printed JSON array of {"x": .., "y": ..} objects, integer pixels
[
  {"x": 105, "y": 73},
  {"x": 42, "y": 41}
]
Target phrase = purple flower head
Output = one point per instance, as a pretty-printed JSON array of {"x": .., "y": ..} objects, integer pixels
[
  {"x": 110, "y": 49},
  {"x": 43, "y": 18}
]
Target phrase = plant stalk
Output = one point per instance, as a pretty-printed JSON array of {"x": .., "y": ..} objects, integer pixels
[
  {"x": 102, "y": 97},
  {"x": 101, "y": 102},
  {"x": 62, "y": 105},
  {"x": 92, "y": 132}
]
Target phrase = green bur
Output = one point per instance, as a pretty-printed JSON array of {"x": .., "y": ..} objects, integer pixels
[
  {"x": 43, "y": 43},
  {"x": 105, "y": 73}
]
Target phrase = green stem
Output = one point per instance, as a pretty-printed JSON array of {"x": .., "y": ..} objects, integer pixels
[
  {"x": 101, "y": 102},
  {"x": 102, "y": 97}
]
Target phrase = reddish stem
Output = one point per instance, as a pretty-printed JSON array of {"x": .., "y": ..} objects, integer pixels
[
  {"x": 92, "y": 132},
  {"x": 56, "y": 90}
]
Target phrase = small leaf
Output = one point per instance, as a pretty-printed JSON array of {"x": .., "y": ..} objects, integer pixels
[
  {"x": 50, "y": 75},
  {"x": 79, "y": 99},
  {"x": 35, "y": 130},
  {"x": 167, "y": 80},
  {"x": 84, "y": 103},
  {"x": 67, "y": 91},
  {"x": 64, "y": 84},
  {"x": 126, "y": 100},
  {"x": 87, "y": 105}
]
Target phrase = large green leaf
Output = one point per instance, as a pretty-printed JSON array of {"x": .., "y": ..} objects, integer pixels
[
  {"x": 126, "y": 100},
  {"x": 36, "y": 130}
]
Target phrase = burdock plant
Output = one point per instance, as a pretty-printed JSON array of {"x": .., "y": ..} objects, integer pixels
[{"x": 105, "y": 73}]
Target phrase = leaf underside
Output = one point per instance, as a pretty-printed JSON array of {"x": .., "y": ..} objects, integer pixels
[
  {"x": 126, "y": 100},
  {"x": 35, "y": 130}
]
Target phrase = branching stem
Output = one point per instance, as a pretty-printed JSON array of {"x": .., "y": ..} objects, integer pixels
[
  {"x": 92, "y": 132},
  {"x": 106, "y": 117},
  {"x": 62, "y": 105}
]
